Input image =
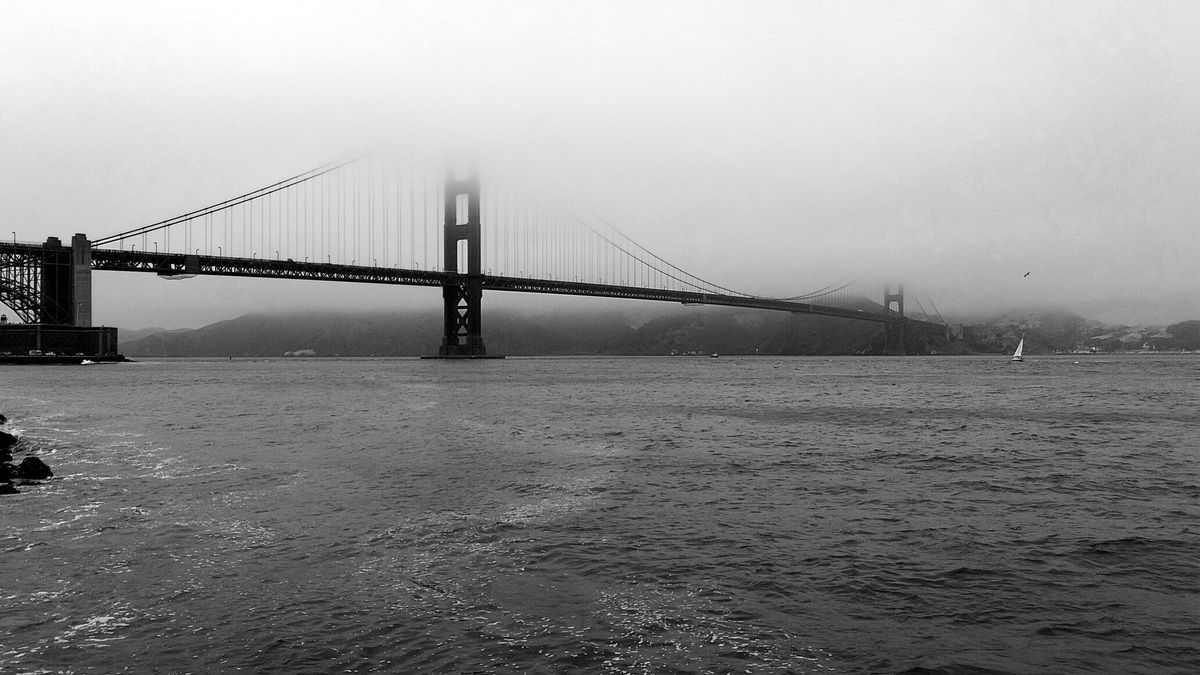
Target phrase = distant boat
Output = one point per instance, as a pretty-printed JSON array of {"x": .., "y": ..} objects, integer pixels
[
  {"x": 87, "y": 362},
  {"x": 1020, "y": 349}
]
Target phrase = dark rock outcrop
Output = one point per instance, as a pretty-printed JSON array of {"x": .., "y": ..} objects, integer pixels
[
  {"x": 32, "y": 468},
  {"x": 7, "y": 473}
]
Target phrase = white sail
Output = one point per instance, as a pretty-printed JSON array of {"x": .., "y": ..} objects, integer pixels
[{"x": 1020, "y": 349}]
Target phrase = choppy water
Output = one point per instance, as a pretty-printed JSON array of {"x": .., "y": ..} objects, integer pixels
[{"x": 606, "y": 515}]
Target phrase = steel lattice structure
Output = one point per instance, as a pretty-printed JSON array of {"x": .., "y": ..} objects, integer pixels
[{"x": 29, "y": 278}]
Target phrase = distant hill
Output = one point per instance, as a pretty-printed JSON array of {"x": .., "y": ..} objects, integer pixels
[
  {"x": 701, "y": 330},
  {"x": 139, "y": 333},
  {"x": 1049, "y": 331},
  {"x": 1186, "y": 335}
]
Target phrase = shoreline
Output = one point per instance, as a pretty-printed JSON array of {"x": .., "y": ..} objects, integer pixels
[{"x": 59, "y": 359}]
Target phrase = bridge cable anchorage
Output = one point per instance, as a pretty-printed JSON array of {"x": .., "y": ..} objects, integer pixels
[{"x": 234, "y": 201}]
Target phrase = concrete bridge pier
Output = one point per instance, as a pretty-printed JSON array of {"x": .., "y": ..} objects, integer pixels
[{"x": 66, "y": 288}]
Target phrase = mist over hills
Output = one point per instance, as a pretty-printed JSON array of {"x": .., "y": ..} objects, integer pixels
[
  {"x": 1050, "y": 330},
  {"x": 700, "y": 330}
]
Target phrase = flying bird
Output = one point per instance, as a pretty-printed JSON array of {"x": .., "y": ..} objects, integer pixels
[{"x": 1026, "y": 274}]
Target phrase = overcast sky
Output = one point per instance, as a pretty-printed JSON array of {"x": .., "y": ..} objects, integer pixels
[{"x": 770, "y": 147}]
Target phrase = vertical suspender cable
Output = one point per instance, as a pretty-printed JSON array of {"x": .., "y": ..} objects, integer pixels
[
  {"x": 412, "y": 216},
  {"x": 384, "y": 204},
  {"x": 397, "y": 185},
  {"x": 425, "y": 220}
]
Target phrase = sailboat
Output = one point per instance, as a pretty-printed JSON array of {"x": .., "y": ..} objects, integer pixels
[{"x": 1020, "y": 348}]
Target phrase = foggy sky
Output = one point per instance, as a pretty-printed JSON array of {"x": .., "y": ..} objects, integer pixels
[{"x": 767, "y": 147}]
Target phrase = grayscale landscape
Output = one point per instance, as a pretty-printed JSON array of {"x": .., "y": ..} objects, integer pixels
[{"x": 601, "y": 336}]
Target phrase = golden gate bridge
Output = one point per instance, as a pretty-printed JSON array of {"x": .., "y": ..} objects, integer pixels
[{"x": 377, "y": 220}]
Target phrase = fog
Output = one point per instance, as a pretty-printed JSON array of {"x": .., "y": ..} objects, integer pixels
[{"x": 768, "y": 147}]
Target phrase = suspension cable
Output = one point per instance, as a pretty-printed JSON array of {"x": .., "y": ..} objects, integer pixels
[
  {"x": 241, "y": 199},
  {"x": 690, "y": 279}
]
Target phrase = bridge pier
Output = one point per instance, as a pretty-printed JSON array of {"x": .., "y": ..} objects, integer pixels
[
  {"x": 896, "y": 339},
  {"x": 65, "y": 296},
  {"x": 81, "y": 280},
  {"x": 462, "y": 336},
  {"x": 49, "y": 286}
]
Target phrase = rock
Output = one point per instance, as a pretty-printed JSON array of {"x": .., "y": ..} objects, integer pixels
[
  {"x": 7, "y": 440},
  {"x": 32, "y": 468},
  {"x": 8, "y": 489},
  {"x": 7, "y": 472},
  {"x": 5, "y": 456},
  {"x": 3, "y": 419}
]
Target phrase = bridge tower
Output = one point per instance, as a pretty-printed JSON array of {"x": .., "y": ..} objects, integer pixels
[
  {"x": 462, "y": 296},
  {"x": 894, "y": 335},
  {"x": 81, "y": 280},
  {"x": 65, "y": 276},
  {"x": 897, "y": 298}
]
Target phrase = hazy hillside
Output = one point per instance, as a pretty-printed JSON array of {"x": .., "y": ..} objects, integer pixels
[
  {"x": 702, "y": 330},
  {"x": 1049, "y": 331},
  {"x": 128, "y": 335}
]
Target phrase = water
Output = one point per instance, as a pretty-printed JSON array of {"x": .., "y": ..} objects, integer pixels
[{"x": 598, "y": 515}]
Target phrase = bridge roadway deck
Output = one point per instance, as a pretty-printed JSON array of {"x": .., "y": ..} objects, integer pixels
[{"x": 177, "y": 265}]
